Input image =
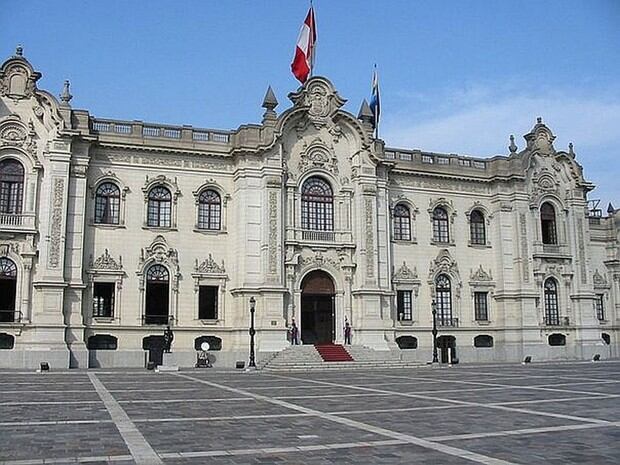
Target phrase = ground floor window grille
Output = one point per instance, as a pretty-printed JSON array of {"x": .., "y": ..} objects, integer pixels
[
  {"x": 481, "y": 309},
  {"x": 600, "y": 309}
]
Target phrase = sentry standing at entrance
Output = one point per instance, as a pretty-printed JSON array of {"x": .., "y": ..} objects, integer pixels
[
  {"x": 347, "y": 331},
  {"x": 294, "y": 333}
]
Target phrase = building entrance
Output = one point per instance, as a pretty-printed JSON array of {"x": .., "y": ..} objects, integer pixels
[
  {"x": 317, "y": 309},
  {"x": 447, "y": 348}
]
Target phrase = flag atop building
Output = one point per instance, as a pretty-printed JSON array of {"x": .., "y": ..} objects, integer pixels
[
  {"x": 375, "y": 101},
  {"x": 304, "y": 50}
]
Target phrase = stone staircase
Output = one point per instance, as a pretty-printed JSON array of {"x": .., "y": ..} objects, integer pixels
[{"x": 307, "y": 358}]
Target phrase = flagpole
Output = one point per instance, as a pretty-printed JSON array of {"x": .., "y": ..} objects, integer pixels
[{"x": 314, "y": 45}]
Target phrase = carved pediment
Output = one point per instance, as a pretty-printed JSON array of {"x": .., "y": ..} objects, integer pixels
[
  {"x": 480, "y": 275},
  {"x": 159, "y": 252},
  {"x": 318, "y": 155},
  {"x": 319, "y": 259},
  {"x": 444, "y": 263},
  {"x": 540, "y": 139},
  {"x": 599, "y": 279},
  {"x": 404, "y": 273},
  {"x": 14, "y": 133},
  {"x": 17, "y": 77},
  {"x": 106, "y": 262},
  {"x": 209, "y": 266}
]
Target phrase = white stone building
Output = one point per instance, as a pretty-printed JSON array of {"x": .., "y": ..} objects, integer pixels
[{"x": 109, "y": 230}]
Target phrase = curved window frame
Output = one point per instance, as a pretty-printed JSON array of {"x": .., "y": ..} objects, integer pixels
[
  {"x": 107, "y": 203},
  {"x": 552, "y": 312},
  {"x": 401, "y": 222},
  {"x": 12, "y": 179},
  {"x": 441, "y": 225},
  {"x": 477, "y": 228},
  {"x": 209, "y": 210},
  {"x": 159, "y": 207},
  {"x": 8, "y": 277},
  {"x": 317, "y": 205},
  {"x": 548, "y": 224}
]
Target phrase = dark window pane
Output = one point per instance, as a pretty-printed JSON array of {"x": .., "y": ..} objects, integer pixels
[
  {"x": 443, "y": 297},
  {"x": 402, "y": 223},
  {"x": 209, "y": 210},
  {"x": 480, "y": 306},
  {"x": 440, "y": 225},
  {"x": 103, "y": 299},
  {"x": 477, "y": 230},
  {"x": 11, "y": 186},
  {"x": 317, "y": 201},
  {"x": 159, "y": 207},
  {"x": 107, "y": 204},
  {"x": 547, "y": 223},
  {"x": 207, "y": 302},
  {"x": 552, "y": 314},
  {"x": 600, "y": 309},
  {"x": 404, "y": 305}
]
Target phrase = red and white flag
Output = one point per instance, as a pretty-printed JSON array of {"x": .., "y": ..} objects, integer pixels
[{"x": 304, "y": 50}]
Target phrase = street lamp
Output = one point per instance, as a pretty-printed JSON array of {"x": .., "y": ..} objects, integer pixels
[
  {"x": 434, "y": 311},
  {"x": 252, "y": 332}
]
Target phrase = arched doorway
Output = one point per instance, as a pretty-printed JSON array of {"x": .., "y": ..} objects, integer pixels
[
  {"x": 446, "y": 344},
  {"x": 317, "y": 308}
]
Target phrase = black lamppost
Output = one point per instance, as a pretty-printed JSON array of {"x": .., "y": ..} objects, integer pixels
[
  {"x": 252, "y": 332},
  {"x": 434, "y": 311}
]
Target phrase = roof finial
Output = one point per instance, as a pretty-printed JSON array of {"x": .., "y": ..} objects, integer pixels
[
  {"x": 512, "y": 147},
  {"x": 269, "y": 103},
  {"x": 571, "y": 152},
  {"x": 539, "y": 120},
  {"x": 610, "y": 209},
  {"x": 19, "y": 50},
  {"x": 365, "y": 114},
  {"x": 66, "y": 96}
]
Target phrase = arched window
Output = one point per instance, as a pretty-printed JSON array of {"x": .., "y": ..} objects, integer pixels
[
  {"x": 476, "y": 228},
  {"x": 157, "y": 291},
  {"x": 8, "y": 288},
  {"x": 209, "y": 210},
  {"x": 107, "y": 203},
  {"x": 159, "y": 208},
  {"x": 317, "y": 205},
  {"x": 11, "y": 186},
  {"x": 547, "y": 224},
  {"x": 402, "y": 223},
  {"x": 440, "y": 225},
  {"x": 552, "y": 315},
  {"x": 443, "y": 297}
]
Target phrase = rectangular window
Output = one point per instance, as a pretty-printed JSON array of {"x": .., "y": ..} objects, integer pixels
[
  {"x": 600, "y": 309},
  {"x": 207, "y": 302},
  {"x": 481, "y": 309},
  {"x": 403, "y": 306},
  {"x": 103, "y": 300}
]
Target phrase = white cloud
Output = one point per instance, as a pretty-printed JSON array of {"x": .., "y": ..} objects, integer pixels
[{"x": 477, "y": 121}]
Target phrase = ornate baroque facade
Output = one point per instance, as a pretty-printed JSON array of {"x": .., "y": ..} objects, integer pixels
[{"x": 109, "y": 230}]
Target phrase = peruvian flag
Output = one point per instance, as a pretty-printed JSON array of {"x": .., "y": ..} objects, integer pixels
[{"x": 304, "y": 50}]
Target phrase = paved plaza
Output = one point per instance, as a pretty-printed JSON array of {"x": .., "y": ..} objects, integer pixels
[{"x": 493, "y": 414}]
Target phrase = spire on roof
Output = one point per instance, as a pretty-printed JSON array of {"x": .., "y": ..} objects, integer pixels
[
  {"x": 512, "y": 147},
  {"x": 66, "y": 96},
  {"x": 19, "y": 50},
  {"x": 571, "y": 152},
  {"x": 270, "y": 101},
  {"x": 610, "y": 209},
  {"x": 365, "y": 113}
]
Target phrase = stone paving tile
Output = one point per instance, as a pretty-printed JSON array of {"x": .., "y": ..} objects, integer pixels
[
  {"x": 597, "y": 408},
  {"x": 198, "y": 392},
  {"x": 593, "y": 447},
  {"x": 60, "y": 441},
  {"x": 203, "y": 409},
  {"x": 383, "y": 455},
  {"x": 367, "y": 402},
  {"x": 51, "y": 396},
  {"x": 312, "y": 390},
  {"x": 600, "y": 388},
  {"x": 25, "y": 412},
  {"x": 426, "y": 423},
  {"x": 254, "y": 433},
  {"x": 503, "y": 395}
]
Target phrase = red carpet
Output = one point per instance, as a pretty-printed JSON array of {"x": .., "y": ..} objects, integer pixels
[{"x": 333, "y": 353}]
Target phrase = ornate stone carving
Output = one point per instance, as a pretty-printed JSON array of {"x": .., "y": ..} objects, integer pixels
[
  {"x": 525, "y": 254},
  {"x": 106, "y": 262},
  {"x": 480, "y": 275},
  {"x": 404, "y": 273},
  {"x": 14, "y": 133},
  {"x": 209, "y": 266},
  {"x": 320, "y": 100},
  {"x": 163, "y": 180},
  {"x": 55, "y": 241},
  {"x": 599, "y": 279},
  {"x": 18, "y": 79},
  {"x": 9, "y": 247},
  {"x": 319, "y": 259},
  {"x": 370, "y": 241},
  {"x": 582, "y": 251},
  {"x": 540, "y": 139},
  {"x": 318, "y": 155},
  {"x": 444, "y": 263},
  {"x": 273, "y": 232}
]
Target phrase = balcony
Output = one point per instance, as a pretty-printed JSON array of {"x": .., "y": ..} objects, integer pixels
[
  {"x": 10, "y": 316},
  {"x": 17, "y": 222},
  {"x": 326, "y": 237},
  {"x": 447, "y": 322},
  {"x": 554, "y": 320}
]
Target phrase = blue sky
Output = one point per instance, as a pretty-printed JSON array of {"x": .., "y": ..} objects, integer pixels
[{"x": 456, "y": 76}]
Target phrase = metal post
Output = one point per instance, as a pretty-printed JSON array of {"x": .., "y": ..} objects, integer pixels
[
  {"x": 434, "y": 311},
  {"x": 252, "y": 332}
]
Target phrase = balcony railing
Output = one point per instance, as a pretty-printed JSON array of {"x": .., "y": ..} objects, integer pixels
[
  {"x": 157, "y": 319},
  {"x": 16, "y": 221},
  {"x": 447, "y": 322},
  {"x": 554, "y": 320},
  {"x": 323, "y": 236},
  {"x": 320, "y": 236},
  {"x": 10, "y": 316}
]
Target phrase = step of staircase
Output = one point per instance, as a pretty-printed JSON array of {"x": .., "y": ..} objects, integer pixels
[
  {"x": 333, "y": 353},
  {"x": 307, "y": 358}
]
